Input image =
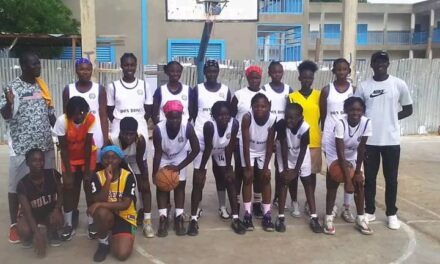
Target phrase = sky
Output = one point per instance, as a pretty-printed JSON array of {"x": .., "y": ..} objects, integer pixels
[{"x": 395, "y": 1}]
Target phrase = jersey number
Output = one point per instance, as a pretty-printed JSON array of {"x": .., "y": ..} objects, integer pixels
[{"x": 93, "y": 187}]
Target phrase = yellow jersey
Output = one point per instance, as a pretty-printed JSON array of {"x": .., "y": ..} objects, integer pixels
[{"x": 311, "y": 113}]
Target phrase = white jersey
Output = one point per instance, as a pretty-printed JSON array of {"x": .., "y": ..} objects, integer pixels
[
  {"x": 92, "y": 98},
  {"x": 293, "y": 148},
  {"x": 335, "y": 110},
  {"x": 206, "y": 100},
  {"x": 257, "y": 140},
  {"x": 277, "y": 100},
  {"x": 130, "y": 153},
  {"x": 174, "y": 150},
  {"x": 129, "y": 100},
  {"x": 219, "y": 143},
  {"x": 244, "y": 97},
  {"x": 183, "y": 97},
  {"x": 352, "y": 137}
]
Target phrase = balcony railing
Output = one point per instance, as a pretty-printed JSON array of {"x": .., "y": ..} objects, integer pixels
[
  {"x": 281, "y": 6},
  {"x": 436, "y": 35},
  {"x": 420, "y": 38}
]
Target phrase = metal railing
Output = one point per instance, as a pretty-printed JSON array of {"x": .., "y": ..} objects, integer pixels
[
  {"x": 398, "y": 38},
  {"x": 420, "y": 38},
  {"x": 281, "y": 6},
  {"x": 436, "y": 35}
]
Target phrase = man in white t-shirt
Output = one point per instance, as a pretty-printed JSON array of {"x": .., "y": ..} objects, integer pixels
[{"x": 387, "y": 100}]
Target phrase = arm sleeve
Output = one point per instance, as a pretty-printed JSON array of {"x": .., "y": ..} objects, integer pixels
[
  {"x": 130, "y": 187},
  {"x": 92, "y": 127},
  {"x": 111, "y": 94},
  {"x": 60, "y": 126},
  {"x": 368, "y": 129},
  {"x": 404, "y": 97},
  {"x": 96, "y": 184},
  {"x": 148, "y": 94},
  {"x": 339, "y": 129}
]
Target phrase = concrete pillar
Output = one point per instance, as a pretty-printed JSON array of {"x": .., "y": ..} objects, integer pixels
[
  {"x": 411, "y": 36},
  {"x": 385, "y": 28},
  {"x": 319, "y": 47},
  {"x": 431, "y": 31},
  {"x": 88, "y": 32},
  {"x": 266, "y": 48},
  {"x": 282, "y": 46},
  {"x": 305, "y": 19},
  {"x": 349, "y": 28},
  {"x": 411, "y": 54}
]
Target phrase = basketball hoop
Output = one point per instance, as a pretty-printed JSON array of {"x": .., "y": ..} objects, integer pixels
[{"x": 213, "y": 8}]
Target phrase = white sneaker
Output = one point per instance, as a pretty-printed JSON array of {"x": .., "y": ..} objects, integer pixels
[
  {"x": 147, "y": 229},
  {"x": 295, "y": 210},
  {"x": 199, "y": 213},
  {"x": 393, "y": 222},
  {"x": 370, "y": 217},
  {"x": 335, "y": 211},
  {"x": 329, "y": 228},
  {"x": 347, "y": 215},
  {"x": 362, "y": 225},
  {"x": 223, "y": 213}
]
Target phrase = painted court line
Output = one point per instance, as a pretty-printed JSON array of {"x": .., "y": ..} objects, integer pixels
[
  {"x": 412, "y": 242},
  {"x": 150, "y": 257}
]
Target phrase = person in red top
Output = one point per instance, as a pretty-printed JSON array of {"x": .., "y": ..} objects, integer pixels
[{"x": 78, "y": 155}]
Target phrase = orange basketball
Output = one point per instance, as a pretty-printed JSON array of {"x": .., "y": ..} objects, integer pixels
[
  {"x": 167, "y": 180},
  {"x": 335, "y": 171}
]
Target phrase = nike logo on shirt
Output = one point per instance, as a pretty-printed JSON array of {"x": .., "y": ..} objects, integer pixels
[{"x": 376, "y": 93}]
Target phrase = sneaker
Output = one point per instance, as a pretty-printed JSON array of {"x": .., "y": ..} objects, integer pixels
[
  {"x": 238, "y": 226},
  {"x": 223, "y": 213},
  {"x": 163, "y": 226},
  {"x": 306, "y": 208},
  {"x": 267, "y": 224},
  {"x": 193, "y": 228},
  {"x": 92, "y": 231},
  {"x": 295, "y": 210},
  {"x": 279, "y": 225},
  {"x": 199, "y": 213},
  {"x": 347, "y": 215},
  {"x": 370, "y": 217},
  {"x": 147, "y": 228},
  {"x": 54, "y": 239},
  {"x": 140, "y": 217},
  {"x": 75, "y": 218},
  {"x": 247, "y": 221},
  {"x": 335, "y": 211},
  {"x": 67, "y": 233},
  {"x": 393, "y": 222},
  {"x": 26, "y": 244},
  {"x": 14, "y": 238},
  {"x": 179, "y": 225},
  {"x": 186, "y": 217},
  {"x": 101, "y": 253},
  {"x": 256, "y": 210},
  {"x": 275, "y": 202},
  {"x": 315, "y": 225},
  {"x": 329, "y": 228},
  {"x": 362, "y": 225}
]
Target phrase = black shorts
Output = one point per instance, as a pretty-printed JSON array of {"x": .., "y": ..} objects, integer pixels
[{"x": 123, "y": 227}]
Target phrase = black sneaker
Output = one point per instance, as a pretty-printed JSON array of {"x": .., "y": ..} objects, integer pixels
[
  {"x": 279, "y": 225},
  {"x": 193, "y": 228},
  {"x": 179, "y": 225},
  {"x": 238, "y": 226},
  {"x": 256, "y": 210},
  {"x": 163, "y": 226},
  {"x": 67, "y": 233},
  {"x": 101, "y": 252},
  {"x": 140, "y": 217},
  {"x": 54, "y": 238},
  {"x": 315, "y": 225},
  {"x": 75, "y": 218},
  {"x": 247, "y": 222},
  {"x": 92, "y": 231},
  {"x": 27, "y": 243},
  {"x": 267, "y": 223}
]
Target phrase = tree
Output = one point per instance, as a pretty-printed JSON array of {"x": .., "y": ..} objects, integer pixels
[{"x": 36, "y": 16}]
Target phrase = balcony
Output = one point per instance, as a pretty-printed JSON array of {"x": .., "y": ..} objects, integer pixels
[
  {"x": 436, "y": 36},
  {"x": 281, "y": 6}
]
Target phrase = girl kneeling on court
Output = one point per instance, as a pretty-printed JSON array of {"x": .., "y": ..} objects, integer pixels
[
  {"x": 170, "y": 138},
  {"x": 293, "y": 155},
  {"x": 78, "y": 155},
  {"x": 347, "y": 151},
  {"x": 258, "y": 134},
  {"x": 218, "y": 141},
  {"x": 113, "y": 208}
]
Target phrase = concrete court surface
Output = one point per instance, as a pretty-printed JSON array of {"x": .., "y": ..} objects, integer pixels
[{"x": 418, "y": 240}]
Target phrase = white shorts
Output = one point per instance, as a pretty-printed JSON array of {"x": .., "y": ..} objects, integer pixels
[
  {"x": 219, "y": 158},
  {"x": 305, "y": 170}
]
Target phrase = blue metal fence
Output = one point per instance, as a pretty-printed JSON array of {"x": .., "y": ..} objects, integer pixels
[
  {"x": 281, "y": 6},
  {"x": 398, "y": 38}
]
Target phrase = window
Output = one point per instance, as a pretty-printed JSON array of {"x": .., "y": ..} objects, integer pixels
[
  {"x": 362, "y": 34},
  {"x": 189, "y": 48},
  {"x": 103, "y": 54},
  {"x": 281, "y": 6},
  {"x": 279, "y": 42}
]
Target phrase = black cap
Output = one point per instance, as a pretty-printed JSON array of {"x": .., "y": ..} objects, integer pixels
[
  {"x": 128, "y": 124},
  {"x": 380, "y": 54}
]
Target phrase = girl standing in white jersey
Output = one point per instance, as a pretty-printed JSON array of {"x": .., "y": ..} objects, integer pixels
[
  {"x": 170, "y": 138},
  {"x": 331, "y": 105},
  {"x": 348, "y": 149},
  {"x": 204, "y": 95},
  {"x": 129, "y": 97}
]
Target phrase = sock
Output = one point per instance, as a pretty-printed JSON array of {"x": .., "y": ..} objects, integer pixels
[
  {"x": 266, "y": 208},
  {"x": 313, "y": 215},
  {"x": 361, "y": 217},
  {"x": 90, "y": 220},
  {"x": 329, "y": 216},
  {"x": 221, "y": 198},
  {"x": 68, "y": 218},
  {"x": 163, "y": 212},
  {"x": 103, "y": 240},
  {"x": 258, "y": 197},
  {"x": 348, "y": 197},
  {"x": 179, "y": 211},
  {"x": 234, "y": 216},
  {"x": 194, "y": 217},
  {"x": 147, "y": 216},
  {"x": 247, "y": 207},
  {"x": 281, "y": 216}
]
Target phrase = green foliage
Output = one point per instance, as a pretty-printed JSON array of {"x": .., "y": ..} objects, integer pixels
[{"x": 36, "y": 16}]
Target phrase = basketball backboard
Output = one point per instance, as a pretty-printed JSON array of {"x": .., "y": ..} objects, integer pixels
[{"x": 194, "y": 10}]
